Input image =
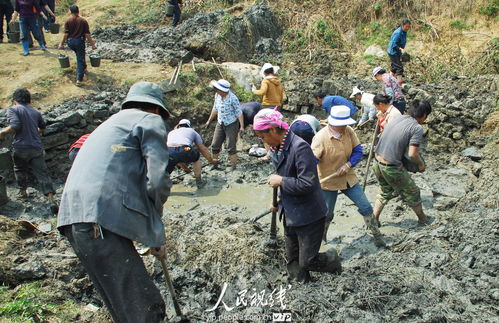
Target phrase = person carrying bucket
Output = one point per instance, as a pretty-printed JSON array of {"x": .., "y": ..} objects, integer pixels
[
  {"x": 27, "y": 11},
  {"x": 76, "y": 29}
]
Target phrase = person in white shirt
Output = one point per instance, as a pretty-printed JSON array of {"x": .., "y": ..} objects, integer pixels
[{"x": 366, "y": 99}]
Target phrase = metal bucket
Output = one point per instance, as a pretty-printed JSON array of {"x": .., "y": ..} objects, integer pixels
[
  {"x": 3, "y": 191},
  {"x": 63, "y": 60},
  {"x": 54, "y": 28},
  {"x": 95, "y": 60},
  {"x": 169, "y": 9},
  {"x": 13, "y": 36},
  {"x": 14, "y": 27}
]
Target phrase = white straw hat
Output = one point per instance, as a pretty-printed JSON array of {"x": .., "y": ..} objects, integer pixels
[
  {"x": 185, "y": 122},
  {"x": 221, "y": 85},
  {"x": 266, "y": 66},
  {"x": 340, "y": 116},
  {"x": 355, "y": 91}
]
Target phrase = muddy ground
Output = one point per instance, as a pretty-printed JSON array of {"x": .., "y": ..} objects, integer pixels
[
  {"x": 443, "y": 272},
  {"x": 446, "y": 271}
]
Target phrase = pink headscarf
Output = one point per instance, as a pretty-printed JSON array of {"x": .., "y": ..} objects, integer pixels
[{"x": 268, "y": 118}]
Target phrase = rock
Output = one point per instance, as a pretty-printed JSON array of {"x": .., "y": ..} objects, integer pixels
[
  {"x": 30, "y": 270},
  {"x": 473, "y": 153},
  {"x": 53, "y": 128},
  {"x": 375, "y": 50},
  {"x": 443, "y": 203},
  {"x": 54, "y": 140},
  {"x": 244, "y": 74},
  {"x": 477, "y": 169},
  {"x": 457, "y": 135},
  {"x": 69, "y": 118}
]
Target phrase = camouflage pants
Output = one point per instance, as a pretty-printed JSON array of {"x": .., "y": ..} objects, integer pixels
[{"x": 394, "y": 181}]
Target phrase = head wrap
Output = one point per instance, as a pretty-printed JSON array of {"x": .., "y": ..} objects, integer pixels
[{"x": 269, "y": 119}]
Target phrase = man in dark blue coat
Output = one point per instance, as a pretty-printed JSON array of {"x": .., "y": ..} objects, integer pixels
[{"x": 300, "y": 199}]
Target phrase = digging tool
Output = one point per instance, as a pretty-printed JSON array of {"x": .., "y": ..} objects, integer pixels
[
  {"x": 273, "y": 224},
  {"x": 371, "y": 151},
  {"x": 328, "y": 177},
  {"x": 216, "y": 65},
  {"x": 170, "y": 287},
  {"x": 258, "y": 217}
]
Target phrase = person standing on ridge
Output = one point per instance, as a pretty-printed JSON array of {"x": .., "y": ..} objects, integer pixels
[
  {"x": 76, "y": 30},
  {"x": 396, "y": 47}
]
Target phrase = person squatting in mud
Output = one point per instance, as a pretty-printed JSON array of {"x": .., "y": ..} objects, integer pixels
[
  {"x": 301, "y": 200},
  {"x": 184, "y": 146},
  {"x": 338, "y": 150},
  {"x": 114, "y": 195},
  {"x": 403, "y": 135}
]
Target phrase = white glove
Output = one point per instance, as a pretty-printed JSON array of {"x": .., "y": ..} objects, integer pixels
[{"x": 253, "y": 87}]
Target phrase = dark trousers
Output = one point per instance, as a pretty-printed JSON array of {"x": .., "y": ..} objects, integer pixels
[
  {"x": 221, "y": 133},
  {"x": 181, "y": 154},
  {"x": 118, "y": 274},
  {"x": 78, "y": 46},
  {"x": 397, "y": 67},
  {"x": 31, "y": 160},
  {"x": 400, "y": 105},
  {"x": 5, "y": 11},
  {"x": 46, "y": 23},
  {"x": 39, "y": 23},
  {"x": 176, "y": 14},
  {"x": 303, "y": 244}
]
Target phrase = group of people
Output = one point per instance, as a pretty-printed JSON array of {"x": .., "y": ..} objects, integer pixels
[
  {"x": 119, "y": 180},
  {"x": 36, "y": 15}
]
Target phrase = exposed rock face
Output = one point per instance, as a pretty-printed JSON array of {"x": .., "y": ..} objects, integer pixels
[{"x": 253, "y": 36}]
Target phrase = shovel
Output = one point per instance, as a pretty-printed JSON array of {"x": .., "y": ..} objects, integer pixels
[
  {"x": 273, "y": 224},
  {"x": 258, "y": 217},
  {"x": 371, "y": 151},
  {"x": 170, "y": 287}
]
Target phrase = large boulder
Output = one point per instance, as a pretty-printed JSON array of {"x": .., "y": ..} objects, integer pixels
[{"x": 244, "y": 74}]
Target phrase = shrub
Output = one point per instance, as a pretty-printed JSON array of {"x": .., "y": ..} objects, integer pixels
[{"x": 491, "y": 9}]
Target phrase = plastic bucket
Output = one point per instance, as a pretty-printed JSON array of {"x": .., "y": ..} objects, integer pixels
[
  {"x": 63, "y": 60},
  {"x": 14, "y": 27},
  {"x": 169, "y": 9},
  {"x": 54, "y": 28},
  {"x": 13, "y": 36},
  {"x": 3, "y": 191},
  {"x": 95, "y": 60}
]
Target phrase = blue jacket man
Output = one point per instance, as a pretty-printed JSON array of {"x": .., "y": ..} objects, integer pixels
[
  {"x": 397, "y": 47},
  {"x": 329, "y": 101}
]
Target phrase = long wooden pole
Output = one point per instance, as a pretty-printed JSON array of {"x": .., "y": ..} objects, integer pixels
[{"x": 371, "y": 152}]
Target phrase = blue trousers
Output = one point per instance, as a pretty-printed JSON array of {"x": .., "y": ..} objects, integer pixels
[
  {"x": 78, "y": 46},
  {"x": 355, "y": 194},
  {"x": 30, "y": 24}
]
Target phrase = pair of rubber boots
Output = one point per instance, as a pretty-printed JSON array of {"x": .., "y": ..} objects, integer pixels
[
  {"x": 25, "y": 44},
  {"x": 371, "y": 226},
  {"x": 329, "y": 263}
]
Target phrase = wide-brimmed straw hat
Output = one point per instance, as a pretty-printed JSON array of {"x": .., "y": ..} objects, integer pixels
[
  {"x": 340, "y": 116},
  {"x": 185, "y": 122},
  {"x": 356, "y": 91},
  {"x": 221, "y": 85}
]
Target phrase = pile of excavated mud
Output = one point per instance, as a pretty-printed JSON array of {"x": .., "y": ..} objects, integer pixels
[{"x": 249, "y": 37}]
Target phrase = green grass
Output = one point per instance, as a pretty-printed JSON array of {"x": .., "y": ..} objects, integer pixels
[
  {"x": 374, "y": 60},
  {"x": 458, "y": 24},
  {"x": 145, "y": 12},
  {"x": 374, "y": 33},
  {"x": 45, "y": 82},
  {"x": 491, "y": 9},
  {"x": 26, "y": 303}
]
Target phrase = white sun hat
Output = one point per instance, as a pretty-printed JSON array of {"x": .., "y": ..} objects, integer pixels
[
  {"x": 340, "y": 116},
  {"x": 185, "y": 122},
  {"x": 356, "y": 91},
  {"x": 266, "y": 66},
  {"x": 221, "y": 85}
]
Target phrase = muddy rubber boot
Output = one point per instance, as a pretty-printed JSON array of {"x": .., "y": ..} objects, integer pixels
[
  {"x": 330, "y": 262},
  {"x": 200, "y": 183},
  {"x": 326, "y": 227},
  {"x": 233, "y": 161},
  {"x": 371, "y": 225},
  {"x": 296, "y": 273},
  {"x": 25, "y": 44}
]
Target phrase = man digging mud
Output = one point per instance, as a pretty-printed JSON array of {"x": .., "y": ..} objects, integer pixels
[
  {"x": 26, "y": 124},
  {"x": 300, "y": 199},
  {"x": 393, "y": 178},
  {"x": 114, "y": 195}
]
